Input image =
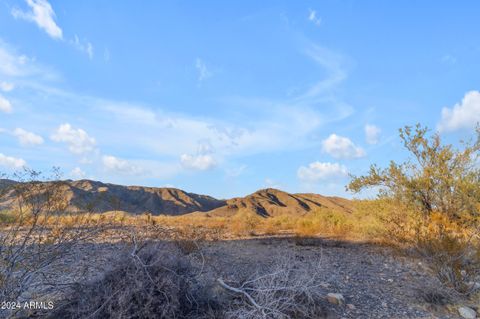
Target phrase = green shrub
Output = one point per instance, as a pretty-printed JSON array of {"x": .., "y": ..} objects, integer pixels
[{"x": 433, "y": 203}]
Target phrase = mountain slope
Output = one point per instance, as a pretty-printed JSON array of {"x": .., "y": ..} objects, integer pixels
[
  {"x": 273, "y": 202},
  {"x": 87, "y": 195},
  {"x": 98, "y": 197}
]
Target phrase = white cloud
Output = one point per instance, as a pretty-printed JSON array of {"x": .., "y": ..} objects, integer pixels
[
  {"x": 79, "y": 142},
  {"x": 341, "y": 147},
  {"x": 5, "y": 105},
  {"x": 200, "y": 162},
  {"x": 203, "y": 72},
  {"x": 6, "y": 86},
  {"x": 27, "y": 138},
  {"x": 372, "y": 133},
  {"x": 85, "y": 47},
  {"x": 317, "y": 171},
  {"x": 312, "y": 17},
  {"x": 465, "y": 114},
  {"x": 118, "y": 165},
  {"x": 12, "y": 162},
  {"x": 43, "y": 15},
  {"x": 77, "y": 173}
]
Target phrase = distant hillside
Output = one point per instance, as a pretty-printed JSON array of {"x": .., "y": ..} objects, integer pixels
[
  {"x": 93, "y": 196},
  {"x": 273, "y": 202},
  {"x": 87, "y": 195}
]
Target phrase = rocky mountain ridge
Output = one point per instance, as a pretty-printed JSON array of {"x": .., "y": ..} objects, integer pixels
[{"x": 98, "y": 197}]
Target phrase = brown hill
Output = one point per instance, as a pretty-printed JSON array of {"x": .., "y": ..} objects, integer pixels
[
  {"x": 98, "y": 197},
  {"x": 87, "y": 195},
  {"x": 273, "y": 202}
]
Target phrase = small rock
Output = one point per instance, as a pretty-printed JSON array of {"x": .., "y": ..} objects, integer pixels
[
  {"x": 467, "y": 313},
  {"x": 474, "y": 285},
  {"x": 350, "y": 306},
  {"x": 336, "y": 299}
]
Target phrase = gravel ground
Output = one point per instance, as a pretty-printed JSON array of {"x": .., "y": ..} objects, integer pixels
[{"x": 375, "y": 281}]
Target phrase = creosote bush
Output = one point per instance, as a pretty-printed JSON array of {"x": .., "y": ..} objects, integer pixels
[{"x": 433, "y": 204}]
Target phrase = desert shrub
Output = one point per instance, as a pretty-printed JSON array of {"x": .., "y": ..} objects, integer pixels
[
  {"x": 152, "y": 281},
  {"x": 306, "y": 227},
  {"x": 381, "y": 220},
  {"x": 282, "y": 291},
  {"x": 7, "y": 217},
  {"x": 245, "y": 223},
  {"x": 36, "y": 239},
  {"x": 324, "y": 221},
  {"x": 450, "y": 250},
  {"x": 278, "y": 224},
  {"x": 156, "y": 280},
  {"x": 433, "y": 203}
]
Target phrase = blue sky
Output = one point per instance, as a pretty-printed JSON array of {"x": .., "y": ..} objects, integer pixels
[{"x": 224, "y": 98}]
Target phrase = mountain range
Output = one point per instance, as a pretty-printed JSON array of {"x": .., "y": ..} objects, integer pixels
[{"x": 94, "y": 196}]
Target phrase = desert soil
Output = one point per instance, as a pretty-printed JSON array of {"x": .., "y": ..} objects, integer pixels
[{"x": 376, "y": 282}]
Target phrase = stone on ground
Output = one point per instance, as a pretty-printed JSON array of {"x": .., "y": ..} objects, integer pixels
[
  {"x": 335, "y": 298},
  {"x": 467, "y": 313}
]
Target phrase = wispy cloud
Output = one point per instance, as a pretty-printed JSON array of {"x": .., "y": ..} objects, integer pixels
[
  {"x": 314, "y": 18},
  {"x": 235, "y": 171},
  {"x": 204, "y": 72},
  {"x": 6, "y": 86},
  {"x": 42, "y": 14},
  {"x": 85, "y": 46},
  {"x": 334, "y": 65},
  {"x": 372, "y": 133},
  {"x": 18, "y": 66},
  {"x": 106, "y": 55},
  {"x": 5, "y": 105},
  {"x": 448, "y": 59}
]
